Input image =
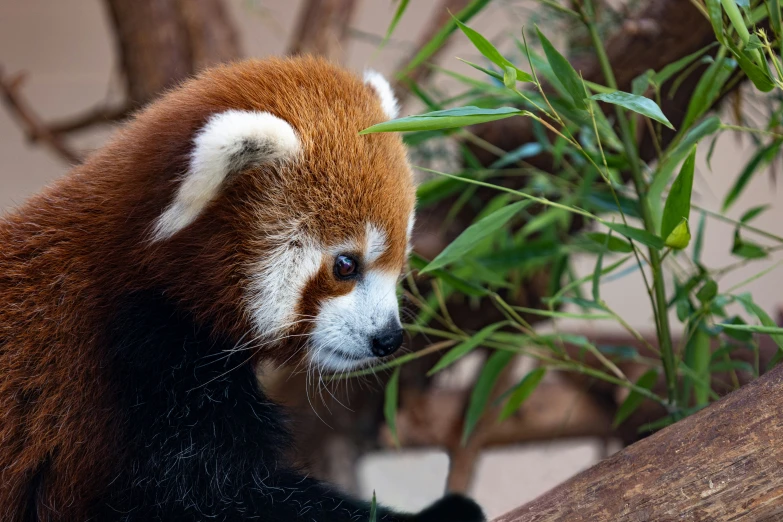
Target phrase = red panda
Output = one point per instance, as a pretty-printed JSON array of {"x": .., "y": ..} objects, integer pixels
[{"x": 239, "y": 218}]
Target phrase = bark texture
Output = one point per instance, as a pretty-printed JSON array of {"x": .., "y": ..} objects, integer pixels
[{"x": 723, "y": 463}]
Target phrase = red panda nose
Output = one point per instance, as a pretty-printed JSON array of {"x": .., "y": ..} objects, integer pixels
[{"x": 387, "y": 341}]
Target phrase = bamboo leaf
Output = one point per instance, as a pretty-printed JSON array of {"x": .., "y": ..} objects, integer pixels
[
  {"x": 752, "y": 213},
  {"x": 390, "y": 404},
  {"x": 479, "y": 397},
  {"x": 445, "y": 119},
  {"x": 395, "y": 20},
  {"x": 635, "y": 399},
  {"x": 766, "y": 320},
  {"x": 597, "y": 270},
  {"x": 614, "y": 244},
  {"x": 716, "y": 18},
  {"x": 486, "y": 48},
  {"x": 466, "y": 241},
  {"x": 638, "y": 104},
  {"x": 708, "y": 291},
  {"x": 637, "y": 234},
  {"x": 697, "y": 245},
  {"x": 528, "y": 150},
  {"x": 464, "y": 348},
  {"x": 708, "y": 89},
  {"x": 442, "y": 35},
  {"x": 677, "y": 209},
  {"x": 673, "y": 68},
  {"x": 564, "y": 71},
  {"x": 762, "y": 157},
  {"x": 678, "y": 202},
  {"x": 773, "y": 7},
  {"x": 521, "y": 392}
]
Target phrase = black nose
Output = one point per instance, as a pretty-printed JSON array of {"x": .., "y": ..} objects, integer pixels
[{"x": 387, "y": 341}]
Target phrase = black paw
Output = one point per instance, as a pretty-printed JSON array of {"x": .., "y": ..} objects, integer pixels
[{"x": 452, "y": 508}]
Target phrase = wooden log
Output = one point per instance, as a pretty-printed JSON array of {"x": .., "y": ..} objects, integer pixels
[{"x": 723, "y": 463}]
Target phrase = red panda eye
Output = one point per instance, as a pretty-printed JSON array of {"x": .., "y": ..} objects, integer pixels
[{"x": 345, "y": 267}]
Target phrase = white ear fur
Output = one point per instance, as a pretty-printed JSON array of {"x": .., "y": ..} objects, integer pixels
[
  {"x": 230, "y": 141},
  {"x": 384, "y": 91}
]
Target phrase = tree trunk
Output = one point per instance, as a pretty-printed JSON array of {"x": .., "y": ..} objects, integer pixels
[
  {"x": 322, "y": 28},
  {"x": 161, "y": 42}
]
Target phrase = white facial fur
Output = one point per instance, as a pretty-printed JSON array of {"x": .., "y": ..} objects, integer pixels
[
  {"x": 341, "y": 339},
  {"x": 343, "y": 329},
  {"x": 384, "y": 91},
  {"x": 279, "y": 280},
  {"x": 228, "y": 142}
]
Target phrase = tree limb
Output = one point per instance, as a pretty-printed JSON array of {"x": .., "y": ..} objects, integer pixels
[
  {"x": 322, "y": 28},
  {"x": 722, "y": 463},
  {"x": 34, "y": 128}
]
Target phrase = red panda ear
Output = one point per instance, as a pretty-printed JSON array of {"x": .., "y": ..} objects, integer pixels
[
  {"x": 384, "y": 91},
  {"x": 229, "y": 142}
]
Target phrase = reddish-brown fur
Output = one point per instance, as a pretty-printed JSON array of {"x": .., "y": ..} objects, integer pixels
[{"x": 68, "y": 252}]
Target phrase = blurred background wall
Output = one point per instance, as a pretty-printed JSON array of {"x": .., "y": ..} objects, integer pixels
[{"x": 67, "y": 50}]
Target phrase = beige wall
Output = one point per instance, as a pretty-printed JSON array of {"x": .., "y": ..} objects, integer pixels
[{"x": 66, "y": 48}]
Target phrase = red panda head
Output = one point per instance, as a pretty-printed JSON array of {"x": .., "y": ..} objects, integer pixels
[{"x": 293, "y": 223}]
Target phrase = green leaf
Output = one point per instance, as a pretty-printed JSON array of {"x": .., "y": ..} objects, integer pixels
[
  {"x": 445, "y": 119},
  {"x": 766, "y": 320},
  {"x": 373, "y": 508},
  {"x": 708, "y": 291},
  {"x": 697, "y": 245},
  {"x": 680, "y": 236},
  {"x": 465, "y": 242},
  {"x": 773, "y": 7},
  {"x": 597, "y": 270},
  {"x": 708, "y": 89},
  {"x": 442, "y": 35},
  {"x": 614, "y": 244},
  {"x": 390, "y": 404},
  {"x": 510, "y": 77},
  {"x": 637, "y": 234},
  {"x": 746, "y": 249},
  {"x": 760, "y": 77},
  {"x": 635, "y": 399},
  {"x": 770, "y": 330},
  {"x": 673, "y": 68},
  {"x": 678, "y": 202},
  {"x": 491, "y": 53},
  {"x": 457, "y": 283},
  {"x": 486, "y": 71},
  {"x": 395, "y": 20},
  {"x": 731, "y": 366},
  {"x": 565, "y": 72},
  {"x": 521, "y": 392},
  {"x": 716, "y": 18},
  {"x": 677, "y": 155},
  {"x": 528, "y": 150},
  {"x": 640, "y": 83},
  {"x": 762, "y": 157},
  {"x": 637, "y": 104},
  {"x": 465, "y": 347},
  {"x": 752, "y": 213},
  {"x": 483, "y": 388}
]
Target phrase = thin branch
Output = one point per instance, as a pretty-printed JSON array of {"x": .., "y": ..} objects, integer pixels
[{"x": 34, "y": 128}]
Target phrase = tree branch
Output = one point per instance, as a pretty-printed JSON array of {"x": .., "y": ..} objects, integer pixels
[
  {"x": 322, "y": 28},
  {"x": 722, "y": 463},
  {"x": 34, "y": 128}
]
